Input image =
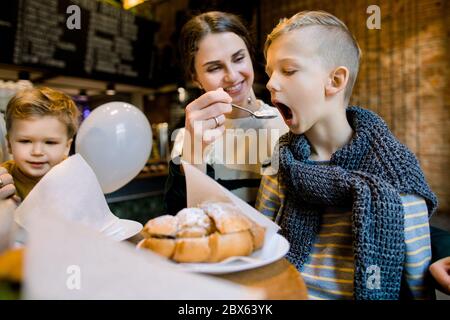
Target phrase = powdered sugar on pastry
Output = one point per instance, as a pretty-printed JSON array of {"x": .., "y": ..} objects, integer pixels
[
  {"x": 211, "y": 233},
  {"x": 217, "y": 209},
  {"x": 226, "y": 217},
  {"x": 193, "y": 217}
]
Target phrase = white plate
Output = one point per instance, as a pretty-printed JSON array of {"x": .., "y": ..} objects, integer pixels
[
  {"x": 122, "y": 229},
  {"x": 273, "y": 250}
]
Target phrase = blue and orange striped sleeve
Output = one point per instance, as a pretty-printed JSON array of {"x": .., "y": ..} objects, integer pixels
[{"x": 270, "y": 196}]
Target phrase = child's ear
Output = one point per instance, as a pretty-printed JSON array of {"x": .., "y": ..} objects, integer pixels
[
  {"x": 9, "y": 145},
  {"x": 337, "y": 81},
  {"x": 67, "y": 150}
]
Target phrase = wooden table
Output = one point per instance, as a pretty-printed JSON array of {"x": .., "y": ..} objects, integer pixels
[{"x": 280, "y": 280}]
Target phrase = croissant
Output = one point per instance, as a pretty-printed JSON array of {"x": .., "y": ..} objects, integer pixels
[{"x": 210, "y": 233}]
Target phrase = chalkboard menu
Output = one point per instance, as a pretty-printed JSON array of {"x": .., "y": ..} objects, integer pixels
[{"x": 83, "y": 38}]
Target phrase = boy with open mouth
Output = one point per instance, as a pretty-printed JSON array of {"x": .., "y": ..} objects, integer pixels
[{"x": 350, "y": 198}]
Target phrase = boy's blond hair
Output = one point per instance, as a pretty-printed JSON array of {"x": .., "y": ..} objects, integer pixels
[
  {"x": 336, "y": 45},
  {"x": 43, "y": 102}
]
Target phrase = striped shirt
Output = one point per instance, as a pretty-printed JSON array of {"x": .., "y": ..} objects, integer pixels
[{"x": 328, "y": 271}]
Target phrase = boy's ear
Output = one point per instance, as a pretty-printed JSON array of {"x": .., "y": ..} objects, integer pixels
[
  {"x": 337, "y": 81},
  {"x": 67, "y": 150},
  {"x": 8, "y": 144}
]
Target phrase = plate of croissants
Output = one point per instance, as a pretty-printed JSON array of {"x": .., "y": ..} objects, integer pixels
[{"x": 215, "y": 238}]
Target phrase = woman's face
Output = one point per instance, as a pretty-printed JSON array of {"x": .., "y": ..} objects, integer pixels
[{"x": 223, "y": 61}]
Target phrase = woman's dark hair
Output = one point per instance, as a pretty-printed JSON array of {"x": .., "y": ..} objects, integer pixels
[{"x": 203, "y": 24}]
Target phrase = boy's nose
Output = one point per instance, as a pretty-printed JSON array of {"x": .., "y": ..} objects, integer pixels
[
  {"x": 37, "y": 149},
  {"x": 272, "y": 84}
]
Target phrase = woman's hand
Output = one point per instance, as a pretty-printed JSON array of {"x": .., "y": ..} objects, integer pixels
[
  {"x": 440, "y": 270},
  {"x": 205, "y": 118},
  {"x": 7, "y": 188},
  {"x": 8, "y": 203},
  {"x": 8, "y": 199}
]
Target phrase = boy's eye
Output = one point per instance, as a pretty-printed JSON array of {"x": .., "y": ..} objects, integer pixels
[
  {"x": 289, "y": 72},
  {"x": 51, "y": 142},
  {"x": 24, "y": 141}
]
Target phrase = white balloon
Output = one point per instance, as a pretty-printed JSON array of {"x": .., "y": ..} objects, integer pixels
[{"x": 116, "y": 141}]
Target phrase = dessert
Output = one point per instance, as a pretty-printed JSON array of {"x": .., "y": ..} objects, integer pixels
[{"x": 210, "y": 233}]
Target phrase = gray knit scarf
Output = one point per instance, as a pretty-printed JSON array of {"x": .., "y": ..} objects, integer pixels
[{"x": 367, "y": 175}]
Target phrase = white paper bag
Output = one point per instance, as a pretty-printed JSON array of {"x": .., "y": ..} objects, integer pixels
[{"x": 71, "y": 189}]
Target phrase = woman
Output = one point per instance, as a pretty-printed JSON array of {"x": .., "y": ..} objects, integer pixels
[{"x": 217, "y": 55}]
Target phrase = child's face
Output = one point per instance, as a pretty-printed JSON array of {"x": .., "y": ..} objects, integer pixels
[
  {"x": 38, "y": 143},
  {"x": 297, "y": 80},
  {"x": 223, "y": 61}
]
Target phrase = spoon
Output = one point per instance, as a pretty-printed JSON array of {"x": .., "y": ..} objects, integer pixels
[{"x": 264, "y": 114}]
